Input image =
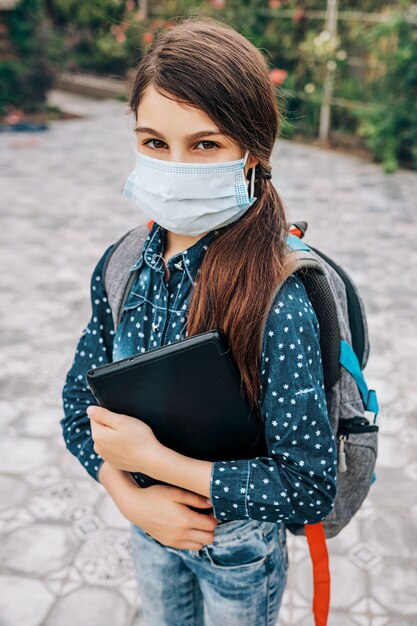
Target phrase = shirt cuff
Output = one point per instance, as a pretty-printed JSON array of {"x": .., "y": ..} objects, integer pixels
[
  {"x": 90, "y": 460},
  {"x": 229, "y": 485}
]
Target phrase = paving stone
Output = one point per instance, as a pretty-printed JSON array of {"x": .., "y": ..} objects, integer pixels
[
  {"x": 105, "y": 558},
  {"x": 14, "y": 605},
  {"x": 139, "y": 620},
  {"x": 401, "y": 543},
  {"x": 86, "y": 606},
  {"x": 348, "y": 537},
  {"x": 394, "y": 586},
  {"x": 20, "y": 455},
  {"x": 341, "y": 568},
  {"x": 393, "y": 453},
  {"x": 37, "y": 549},
  {"x": 393, "y": 489},
  {"x": 13, "y": 490}
]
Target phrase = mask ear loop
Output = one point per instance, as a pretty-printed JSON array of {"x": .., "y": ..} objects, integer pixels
[{"x": 252, "y": 182}]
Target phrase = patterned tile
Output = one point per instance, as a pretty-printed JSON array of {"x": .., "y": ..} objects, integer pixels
[
  {"x": 364, "y": 555},
  {"x": 105, "y": 558},
  {"x": 411, "y": 471},
  {"x": 14, "y": 492},
  {"x": 392, "y": 489},
  {"x": 347, "y": 537},
  {"x": 39, "y": 422},
  {"x": 90, "y": 606},
  {"x": 37, "y": 549},
  {"x": 392, "y": 452},
  {"x": 393, "y": 585},
  {"x": 44, "y": 476},
  {"x": 21, "y": 455},
  {"x": 24, "y": 601},
  {"x": 393, "y": 535}
]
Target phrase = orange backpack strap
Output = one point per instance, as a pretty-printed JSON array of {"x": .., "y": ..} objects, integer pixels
[{"x": 321, "y": 575}]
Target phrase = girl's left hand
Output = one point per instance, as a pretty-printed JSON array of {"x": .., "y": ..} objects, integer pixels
[{"x": 125, "y": 442}]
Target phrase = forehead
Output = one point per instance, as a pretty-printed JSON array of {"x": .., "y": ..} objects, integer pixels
[{"x": 156, "y": 109}]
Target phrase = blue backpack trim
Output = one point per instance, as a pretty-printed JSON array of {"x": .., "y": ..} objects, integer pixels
[
  {"x": 350, "y": 362},
  {"x": 296, "y": 243}
]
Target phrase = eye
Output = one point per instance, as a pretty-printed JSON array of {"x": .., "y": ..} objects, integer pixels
[
  {"x": 156, "y": 141},
  {"x": 211, "y": 144}
]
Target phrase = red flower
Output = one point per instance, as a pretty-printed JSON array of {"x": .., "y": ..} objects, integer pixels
[
  {"x": 157, "y": 23},
  {"x": 278, "y": 76},
  {"x": 274, "y": 4},
  {"x": 148, "y": 37},
  {"x": 120, "y": 37},
  {"x": 14, "y": 115},
  {"x": 298, "y": 16}
]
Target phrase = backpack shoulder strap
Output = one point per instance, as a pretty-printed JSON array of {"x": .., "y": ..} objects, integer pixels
[
  {"x": 116, "y": 275},
  {"x": 311, "y": 271}
]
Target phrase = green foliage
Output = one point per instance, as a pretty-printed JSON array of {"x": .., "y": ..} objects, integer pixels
[
  {"x": 85, "y": 28},
  {"x": 26, "y": 77},
  {"x": 390, "y": 130},
  {"x": 95, "y": 15},
  {"x": 110, "y": 36}
]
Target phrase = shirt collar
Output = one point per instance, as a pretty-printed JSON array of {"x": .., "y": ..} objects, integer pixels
[{"x": 189, "y": 259}]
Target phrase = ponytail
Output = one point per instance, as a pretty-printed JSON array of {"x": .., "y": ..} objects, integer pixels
[{"x": 237, "y": 278}]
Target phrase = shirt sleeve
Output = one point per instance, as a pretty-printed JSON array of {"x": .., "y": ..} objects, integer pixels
[
  {"x": 296, "y": 483},
  {"x": 94, "y": 348}
]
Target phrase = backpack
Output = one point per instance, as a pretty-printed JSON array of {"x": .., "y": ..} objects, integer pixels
[{"x": 344, "y": 344}]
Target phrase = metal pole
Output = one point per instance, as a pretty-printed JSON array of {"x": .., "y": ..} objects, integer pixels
[
  {"x": 144, "y": 7},
  {"x": 325, "y": 110}
]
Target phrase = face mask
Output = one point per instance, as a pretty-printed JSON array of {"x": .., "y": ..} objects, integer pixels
[{"x": 190, "y": 198}]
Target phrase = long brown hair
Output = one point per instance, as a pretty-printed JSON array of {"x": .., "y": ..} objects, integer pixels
[{"x": 207, "y": 64}]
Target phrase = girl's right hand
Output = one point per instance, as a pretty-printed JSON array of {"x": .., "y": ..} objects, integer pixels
[{"x": 163, "y": 512}]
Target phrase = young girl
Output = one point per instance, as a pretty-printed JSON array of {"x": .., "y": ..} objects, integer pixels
[{"x": 206, "y": 120}]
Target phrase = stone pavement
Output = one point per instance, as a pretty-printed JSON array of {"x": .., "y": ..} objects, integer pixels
[{"x": 64, "y": 545}]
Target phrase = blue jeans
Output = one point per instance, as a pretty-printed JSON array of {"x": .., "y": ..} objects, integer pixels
[{"x": 238, "y": 580}]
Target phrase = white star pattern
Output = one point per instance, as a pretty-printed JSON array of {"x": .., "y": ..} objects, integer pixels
[{"x": 280, "y": 481}]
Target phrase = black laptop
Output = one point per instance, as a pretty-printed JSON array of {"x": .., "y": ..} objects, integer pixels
[{"x": 189, "y": 393}]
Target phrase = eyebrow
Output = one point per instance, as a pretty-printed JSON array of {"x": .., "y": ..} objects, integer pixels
[{"x": 201, "y": 133}]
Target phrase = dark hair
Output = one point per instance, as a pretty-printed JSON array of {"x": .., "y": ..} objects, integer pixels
[{"x": 208, "y": 64}]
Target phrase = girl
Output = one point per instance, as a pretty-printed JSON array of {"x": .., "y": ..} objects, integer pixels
[{"x": 206, "y": 120}]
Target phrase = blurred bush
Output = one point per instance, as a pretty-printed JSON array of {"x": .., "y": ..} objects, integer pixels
[
  {"x": 86, "y": 30},
  {"x": 390, "y": 130},
  {"x": 29, "y": 68}
]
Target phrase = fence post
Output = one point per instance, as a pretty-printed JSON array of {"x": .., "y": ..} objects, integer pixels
[
  {"x": 144, "y": 6},
  {"x": 325, "y": 109}
]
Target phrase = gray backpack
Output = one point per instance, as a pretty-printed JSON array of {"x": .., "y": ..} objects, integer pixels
[{"x": 344, "y": 349}]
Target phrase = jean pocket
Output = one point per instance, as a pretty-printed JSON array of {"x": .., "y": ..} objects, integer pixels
[
  {"x": 241, "y": 552},
  {"x": 276, "y": 534}
]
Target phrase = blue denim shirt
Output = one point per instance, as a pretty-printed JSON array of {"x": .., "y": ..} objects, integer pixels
[{"x": 296, "y": 482}]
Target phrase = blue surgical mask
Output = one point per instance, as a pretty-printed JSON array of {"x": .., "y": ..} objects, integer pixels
[{"x": 190, "y": 198}]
